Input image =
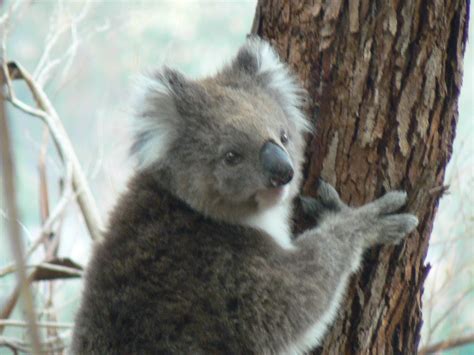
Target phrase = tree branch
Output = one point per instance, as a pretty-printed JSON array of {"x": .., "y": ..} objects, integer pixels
[
  {"x": 8, "y": 178},
  {"x": 20, "y": 323},
  {"x": 447, "y": 344},
  {"x": 47, "y": 227},
  {"x": 65, "y": 270},
  {"x": 450, "y": 309},
  {"x": 63, "y": 144},
  {"x": 49, "y": 346}
]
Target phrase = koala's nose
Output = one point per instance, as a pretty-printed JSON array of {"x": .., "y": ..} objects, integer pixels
[{"x": 276, "y": 164}]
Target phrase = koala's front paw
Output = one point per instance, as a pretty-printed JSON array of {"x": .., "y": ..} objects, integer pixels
[
  {"x": 329, "y": 198},
  {"x": 395, "y": 227},
  {"x": 388, "y": 226},
  {"x": 327, "y": 201}
]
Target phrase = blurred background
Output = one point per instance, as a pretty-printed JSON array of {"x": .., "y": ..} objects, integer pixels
[{"x": 86, "y": 53}]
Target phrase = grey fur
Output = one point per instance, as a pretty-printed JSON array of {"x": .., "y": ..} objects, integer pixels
[{"x": 180, "y": 271}]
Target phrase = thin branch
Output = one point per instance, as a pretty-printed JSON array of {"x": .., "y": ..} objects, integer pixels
[
  {"x": 5, "y": 18},
  {"x": 64, "y": 146},
  {"x": 44, "y": 70},
  {"x": 60, "y": 268},
  {"x": 52, "y": 237},
  {"x": 449, "y": 310},
  {"x": 23, "y": 324},
  {"x": 27, "y": 108},
  {"x": 8, "y": 178},
  {"x": 49, "y": 346},
  {"x": 14, "y": 344},
  {"x": 42, "y": 175},
  {"x": 71, "y": 300},
  {"x": 447, "y": 344},
  {"x": 46, "y": 266},
  {"x": 52, "y": 37},
  {"x": 9, "y": 305},
  {"x": 47, "y": 227},
  {"x": 14, "y": 11},
  {"x": 12, "y": 300},
  {"x": 66, "y": 197}
]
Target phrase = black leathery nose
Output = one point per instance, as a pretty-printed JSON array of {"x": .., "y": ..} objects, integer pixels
[{"x": 276, "y": 164}]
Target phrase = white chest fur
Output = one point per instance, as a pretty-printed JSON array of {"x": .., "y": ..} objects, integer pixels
[{"x": 275, "y": 222}]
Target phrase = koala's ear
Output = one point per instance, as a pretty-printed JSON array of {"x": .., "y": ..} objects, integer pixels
[
  {"x": 257, "y": 60},
  {"x": 162, "y": 102}
]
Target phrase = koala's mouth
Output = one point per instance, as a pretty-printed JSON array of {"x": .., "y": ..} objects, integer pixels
[{"x": 271, "y": 196}]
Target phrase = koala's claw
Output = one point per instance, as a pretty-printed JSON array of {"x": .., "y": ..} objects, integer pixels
[
  {"x": 394, "y": 227},
  {"x": 384, "y": 224},
  {"x": 389, "y": 203},
  {"x": 329, "y": 196},
  {"x": 327, "y": 201}
]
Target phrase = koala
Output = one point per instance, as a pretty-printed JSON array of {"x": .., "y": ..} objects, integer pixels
[{"x": 199, "y": 256}]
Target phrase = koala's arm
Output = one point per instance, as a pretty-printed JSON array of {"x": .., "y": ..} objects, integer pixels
[{"x": 326, "y": 255}]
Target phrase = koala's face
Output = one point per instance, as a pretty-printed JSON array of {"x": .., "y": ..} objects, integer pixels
[{"x": 231, "y": 144}]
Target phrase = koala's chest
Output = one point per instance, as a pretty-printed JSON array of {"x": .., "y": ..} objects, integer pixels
[{"x": 275, "y": 223}]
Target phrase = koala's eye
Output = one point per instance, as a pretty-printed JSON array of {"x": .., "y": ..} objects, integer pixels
[
  {"x": 283, "y": 137},
  {"x": 232, "y": 158}
]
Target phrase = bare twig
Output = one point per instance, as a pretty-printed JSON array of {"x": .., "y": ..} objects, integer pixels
[
  {"x": 47, "y": 227},
  {"x": 68, "y": 303},
  {"x": 63, "y": 144},
  {"x": 454, "y": 304},
  {"x": 439, "y": 190},
  {"x": 49, "y": 346},
  {"x": 49, "y": 115},
  {"x": 22, "y": 324},
  {"x": 51, "y": 238},
  {"x": 46, "y": 266},
  {"x": 46, "y": 65},
  {"x": 56, "y": 29},
  {"x": 447, "y": 344},
  {"x": 13, "y": 230},
  {"x": 14, "y": 344},
  {"x": 13, "y": 298},
  {"x": 10, "y": 304},
  {"x": 43, "y": 182},
  {"x": 14, "y": 9},
  {"x": 66, "y": 197},
  {"x": 7, "y": 15},
  {"x": 63, "y": 269}
]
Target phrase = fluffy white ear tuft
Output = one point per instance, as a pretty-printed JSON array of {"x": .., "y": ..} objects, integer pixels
[
  {"x": 277, "y": 77},
  {"x": 155, "y": 119},
  {"x": 267, "y": 58}
]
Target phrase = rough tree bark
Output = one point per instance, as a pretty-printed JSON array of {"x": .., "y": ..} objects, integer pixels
[{"x": 383, "y": 79}]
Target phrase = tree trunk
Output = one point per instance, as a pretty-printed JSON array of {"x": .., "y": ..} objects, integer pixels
[{"x": 383, "y": 79}]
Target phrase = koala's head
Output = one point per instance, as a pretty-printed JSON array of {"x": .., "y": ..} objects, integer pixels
[{"x": 228, "y": 145}]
